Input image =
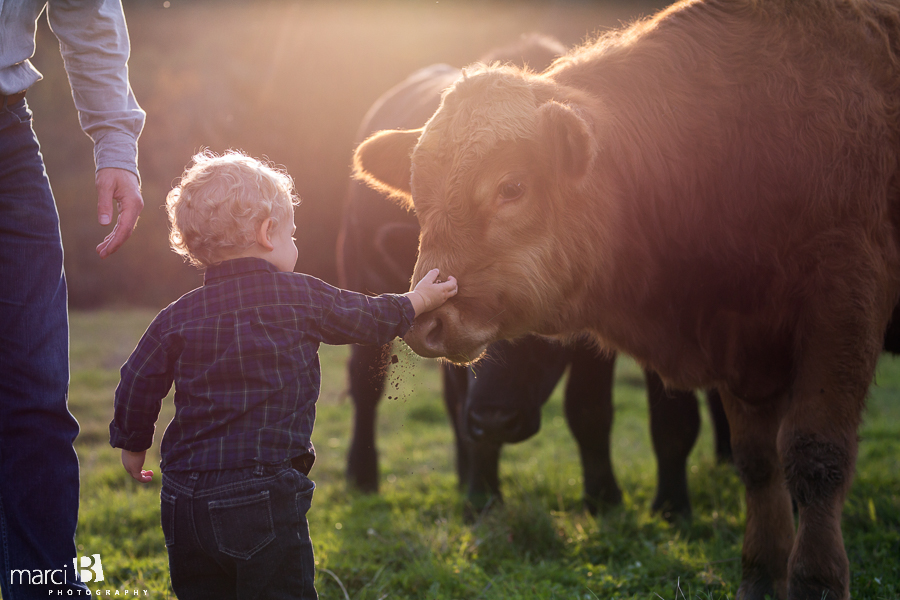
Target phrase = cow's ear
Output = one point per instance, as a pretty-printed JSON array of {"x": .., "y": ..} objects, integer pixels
[
  {"x": 383, "y": 162},
  {"x": 568, "y": 137}
]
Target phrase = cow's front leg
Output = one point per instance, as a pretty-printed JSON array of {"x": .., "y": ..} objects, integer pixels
[
  {"x": 477, "y": 462},
  {"x": 769, "y": 532},
  {"x": 818, "y": 446},
  {"x": 483, "y": 476},
  {"x": 455, "y": 380},
  {"x": 367, "y": 371},
  {"x": 720, "y": 426},
  {"x": 674, "y": 427},
  {"x": 589, "y": 414}
]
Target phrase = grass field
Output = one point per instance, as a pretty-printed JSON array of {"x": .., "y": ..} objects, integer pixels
[{"x": 412, "y": 542}]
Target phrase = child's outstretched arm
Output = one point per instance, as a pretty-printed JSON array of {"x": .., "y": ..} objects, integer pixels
[
  {"x": 134, "y": 464},
  {"x": 428, "y": 295}
]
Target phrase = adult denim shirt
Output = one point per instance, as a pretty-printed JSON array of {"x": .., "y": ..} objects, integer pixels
[{"x": 93, "y": 41}]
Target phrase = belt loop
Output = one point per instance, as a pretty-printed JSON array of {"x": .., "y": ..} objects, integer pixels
[{"x": 258, "y": 469}]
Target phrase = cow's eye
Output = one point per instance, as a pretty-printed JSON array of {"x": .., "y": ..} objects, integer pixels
[{"x": 510, "y": 190}]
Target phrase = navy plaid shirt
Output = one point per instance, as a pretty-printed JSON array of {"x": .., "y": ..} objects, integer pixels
[{"x": 243, "y": 353}]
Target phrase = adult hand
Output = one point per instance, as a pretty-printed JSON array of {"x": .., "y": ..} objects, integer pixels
[{"x": 122, "y": 186}]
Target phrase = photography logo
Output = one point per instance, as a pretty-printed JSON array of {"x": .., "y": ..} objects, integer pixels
[{"x": 88, "y": 569}]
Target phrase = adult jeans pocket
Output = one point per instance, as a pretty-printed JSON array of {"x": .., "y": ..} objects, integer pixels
[
  {"x": 242, "y": 526},
  {"x": 167, "y": 516},
  {"x": 21, "y": 112}
]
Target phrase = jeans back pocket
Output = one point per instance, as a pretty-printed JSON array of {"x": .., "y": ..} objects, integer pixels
[{"x": 242, "y": 526}]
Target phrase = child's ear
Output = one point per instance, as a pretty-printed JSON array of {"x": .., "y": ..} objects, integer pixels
[{"x": 262, "y": 235}]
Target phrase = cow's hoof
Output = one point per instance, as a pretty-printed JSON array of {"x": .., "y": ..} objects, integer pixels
[
  {"x": 756, "y": 587},
  {"x": 603, "y": 502},
  {"x": 673, "y": 512},
  {"x": 366, "y": 485},
  {"x": 807, "y": 588},
  {"x": 477, "y": 505}
]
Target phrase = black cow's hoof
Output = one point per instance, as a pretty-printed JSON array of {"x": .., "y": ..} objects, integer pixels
[
  {"x": 477, "y": 505},
  {"x": 673, "y": 512}
]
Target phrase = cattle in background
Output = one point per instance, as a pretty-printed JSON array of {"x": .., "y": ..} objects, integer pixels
[
  {"x": 715, "y": 191},
  {"x": 505, "y": 392},
  {"x": 377, "y": 250}
]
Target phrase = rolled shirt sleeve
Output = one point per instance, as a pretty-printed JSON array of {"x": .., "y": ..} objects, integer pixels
[{"x": 94, "y": 43}]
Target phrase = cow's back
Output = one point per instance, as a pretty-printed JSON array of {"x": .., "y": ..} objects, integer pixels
[{"x": 739, "y": 134}]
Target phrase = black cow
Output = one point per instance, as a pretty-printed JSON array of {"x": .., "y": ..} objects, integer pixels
[
  {"x": 377, "y": 250},
  {"x": 503, "y": 396}
]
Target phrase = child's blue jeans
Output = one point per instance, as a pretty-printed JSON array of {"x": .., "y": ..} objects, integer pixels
[{"x": 239, "y": 534}]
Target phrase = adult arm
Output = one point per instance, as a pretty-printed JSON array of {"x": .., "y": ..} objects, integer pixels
[{"x": 93, "y": 40}]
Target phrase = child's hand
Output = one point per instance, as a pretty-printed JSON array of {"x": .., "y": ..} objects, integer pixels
[
  {"x": 134, "y": 463},
  {"x": 428, "y": 295}
]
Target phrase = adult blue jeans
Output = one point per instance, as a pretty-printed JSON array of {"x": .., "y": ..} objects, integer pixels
[
  {"x": 38, "y": 465},
  {"x": 239, "y": 534}
]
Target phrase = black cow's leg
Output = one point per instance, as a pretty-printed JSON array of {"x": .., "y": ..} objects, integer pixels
[
  {"x": 483, "y": 484},
  {"x": 674, "y": 426},
  {"x": 477, "y": 463},
  {"x": 589, "y": 413},
  {"x": 368, "y": 369},
  {"x": 456, "y": 383},
  {"x": 720, "y": 425}
]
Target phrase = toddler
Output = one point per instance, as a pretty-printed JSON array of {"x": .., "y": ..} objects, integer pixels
[{"x": 242, "y": 351}]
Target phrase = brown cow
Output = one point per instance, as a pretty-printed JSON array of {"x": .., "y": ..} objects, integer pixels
[{"x": 713, "y": 191}]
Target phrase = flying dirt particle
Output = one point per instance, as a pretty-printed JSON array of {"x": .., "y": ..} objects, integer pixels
[{"x": 394, "y": 359}]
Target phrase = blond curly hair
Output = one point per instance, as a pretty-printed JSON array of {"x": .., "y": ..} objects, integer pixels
[{"x": 220, "y": 202}]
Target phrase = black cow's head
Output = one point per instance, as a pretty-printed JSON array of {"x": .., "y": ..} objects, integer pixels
[{"x": 508, "y": 388}]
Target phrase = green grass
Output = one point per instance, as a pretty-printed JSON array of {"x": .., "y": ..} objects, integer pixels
[{"x": 411, "y": 541}]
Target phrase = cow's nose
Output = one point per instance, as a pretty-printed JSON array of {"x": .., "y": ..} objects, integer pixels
[
  {"x": 494, "y": 425},
  {"x": 426, "y": 337},
  {"x": 435, "y": 334}
]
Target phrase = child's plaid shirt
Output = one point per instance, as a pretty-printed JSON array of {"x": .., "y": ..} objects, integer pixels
[{"x": 243, "y": 353}]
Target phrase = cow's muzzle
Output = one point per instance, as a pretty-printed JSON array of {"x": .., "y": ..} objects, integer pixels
[
  {"x": 439, "y": 334},
  {"x": 500, "y": 425}
]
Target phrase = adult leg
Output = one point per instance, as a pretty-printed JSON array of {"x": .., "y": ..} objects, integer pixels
[
  {"x": 674, "y": 426},
  {"x": 38, "y": 465},
  {"x": 589, "y": 414},
  {"x": 367, "y": 371}
]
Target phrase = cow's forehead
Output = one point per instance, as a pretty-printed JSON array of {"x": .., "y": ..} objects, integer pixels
[{"x": 482, "y": 109}]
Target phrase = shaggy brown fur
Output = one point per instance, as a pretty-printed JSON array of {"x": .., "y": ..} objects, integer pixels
[{"x": 713, "y": 191}]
